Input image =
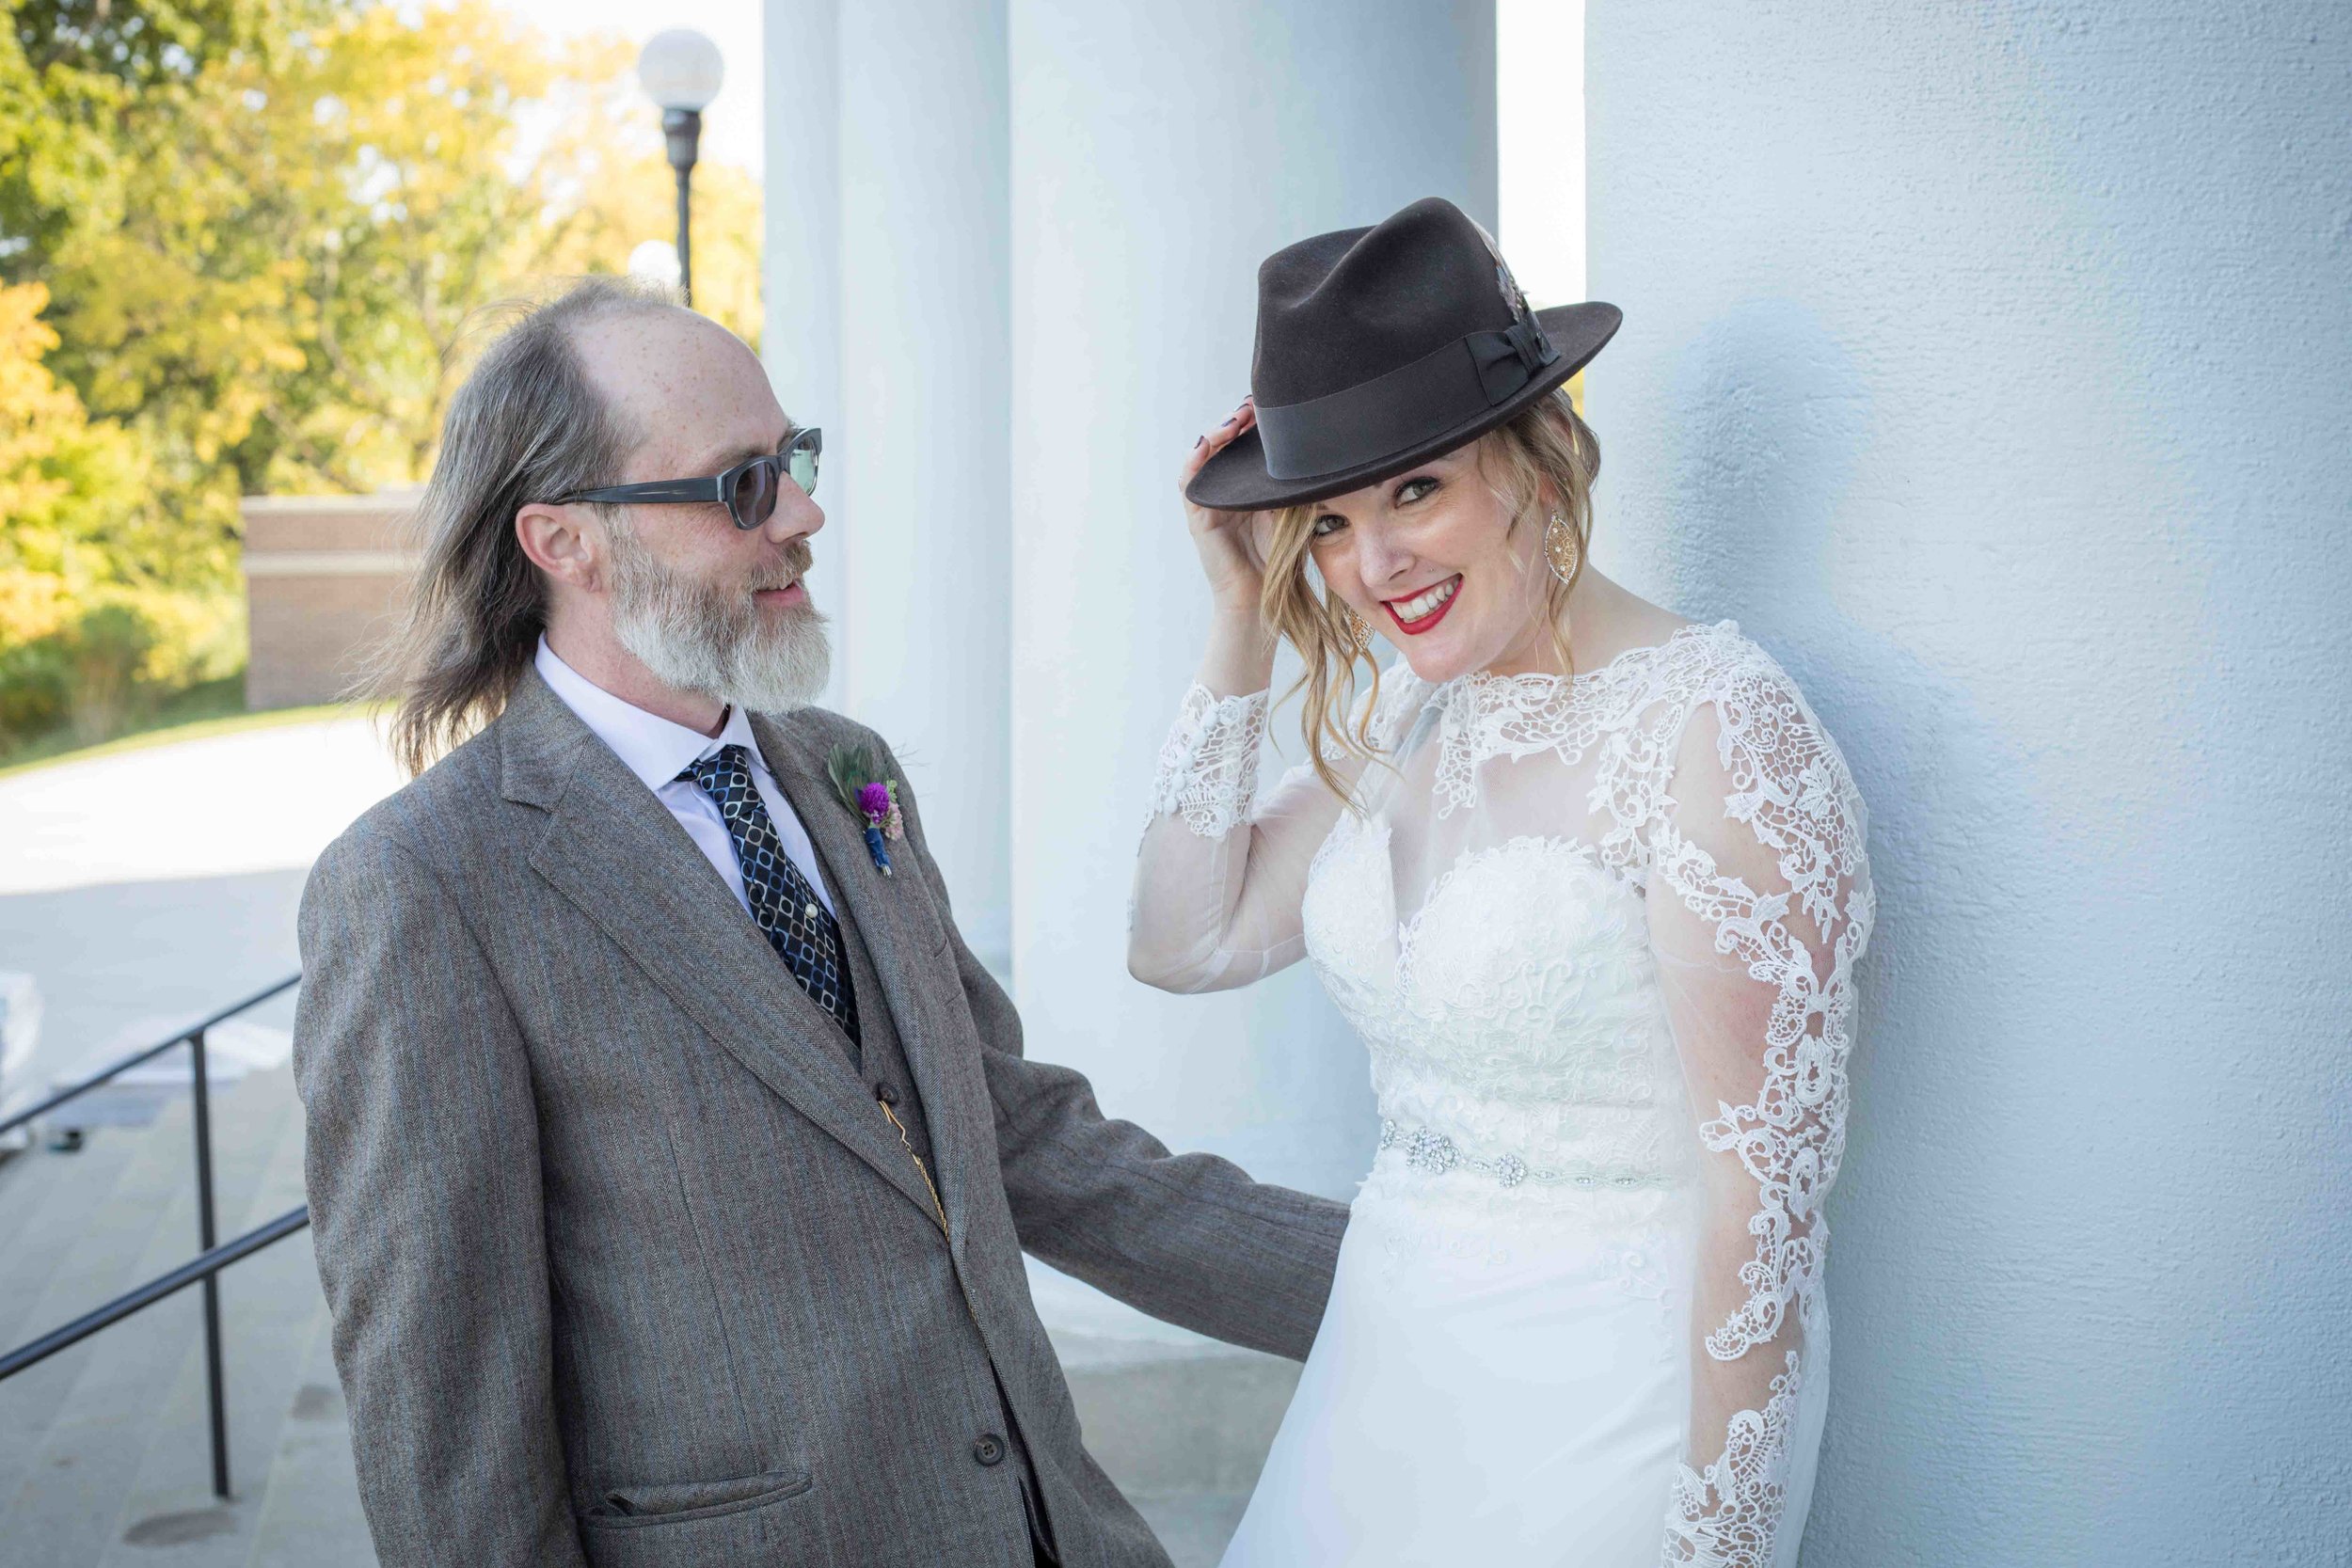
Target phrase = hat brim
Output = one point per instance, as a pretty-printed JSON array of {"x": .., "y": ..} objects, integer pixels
[{"x": 1235, "y": 480}]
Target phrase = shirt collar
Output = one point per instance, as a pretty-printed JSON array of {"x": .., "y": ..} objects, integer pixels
[{"x": 653, "y": 748}]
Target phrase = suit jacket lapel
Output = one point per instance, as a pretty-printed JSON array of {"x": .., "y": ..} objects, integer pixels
[
  {"x": 615, "y": 852},
  {"x": 877, "y": 904}
]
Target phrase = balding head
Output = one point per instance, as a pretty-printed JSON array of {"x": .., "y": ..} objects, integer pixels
[
  {"x": 689, "y": 392},
  {"x": 610, "y": 383}
]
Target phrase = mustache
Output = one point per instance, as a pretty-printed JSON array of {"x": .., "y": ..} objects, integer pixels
[{"x": 797, "y": 558}]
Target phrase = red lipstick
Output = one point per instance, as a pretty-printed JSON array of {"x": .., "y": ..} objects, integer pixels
[{"x": 1414, "y": 629}]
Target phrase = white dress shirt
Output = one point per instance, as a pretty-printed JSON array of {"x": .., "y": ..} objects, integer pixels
[{"x": 656, "y": 751}]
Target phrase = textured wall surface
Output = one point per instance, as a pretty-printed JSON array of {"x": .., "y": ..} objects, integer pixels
[{"x": 1991, "y": 364}]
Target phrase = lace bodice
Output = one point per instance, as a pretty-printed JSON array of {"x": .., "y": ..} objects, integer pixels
[
  {"x": 1598, "y": 935},
  {"x": 1540, "y": 1039}
]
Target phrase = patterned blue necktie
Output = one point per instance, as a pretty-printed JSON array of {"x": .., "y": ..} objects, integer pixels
[{"x": 806, "y": 938}]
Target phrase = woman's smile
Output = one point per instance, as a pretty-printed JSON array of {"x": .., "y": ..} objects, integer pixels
[{"x": 1425, "y": 608}]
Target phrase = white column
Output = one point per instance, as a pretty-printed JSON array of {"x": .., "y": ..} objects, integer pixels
[
  {"x": 1539, "y": 112},
  {"x": 799, "y": 337},
  {"x": 896, "y": 208},
  {"x": 925, "y": 386},
  {"x": 1990, "y": 364},
  {"x": 1159, "y": 153}
]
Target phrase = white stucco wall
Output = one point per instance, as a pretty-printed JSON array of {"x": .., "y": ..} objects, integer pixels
[
  {"x": 1992, "y": 365},
  {"x": 1158, "y": 154}
]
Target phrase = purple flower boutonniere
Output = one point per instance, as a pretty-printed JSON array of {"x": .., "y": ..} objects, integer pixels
[{"x": 873, "y": 798}]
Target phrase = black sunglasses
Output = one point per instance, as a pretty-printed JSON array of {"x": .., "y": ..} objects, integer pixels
[{"x": 749, "y": 490}]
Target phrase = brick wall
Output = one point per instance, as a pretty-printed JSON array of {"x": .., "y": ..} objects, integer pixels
[{"x": 323, "y": 574}]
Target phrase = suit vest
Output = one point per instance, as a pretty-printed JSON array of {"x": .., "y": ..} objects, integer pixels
[{"x": 879, "y": 1059}]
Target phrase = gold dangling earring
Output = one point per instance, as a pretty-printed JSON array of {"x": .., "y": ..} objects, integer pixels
[
  {"x": 1358, "y": 633},
  {"x": 1563, "y": 551}
]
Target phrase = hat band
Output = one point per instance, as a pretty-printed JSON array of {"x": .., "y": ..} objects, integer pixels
[{"x": 1392, "y": 413}]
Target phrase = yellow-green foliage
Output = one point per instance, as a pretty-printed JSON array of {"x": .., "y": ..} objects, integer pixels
[
  {"x": 243, "y": 246},
  {"x": 76, "y": 641}
]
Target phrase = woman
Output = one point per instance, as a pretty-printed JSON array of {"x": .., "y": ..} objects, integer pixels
[{"x": 1589, "y": 880}]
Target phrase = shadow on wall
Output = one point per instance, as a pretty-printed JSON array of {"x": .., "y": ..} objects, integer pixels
[{"x": 1769, "y": 423}]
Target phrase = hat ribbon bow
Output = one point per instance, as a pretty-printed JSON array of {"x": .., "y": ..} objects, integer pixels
[{"x": 1508, "y": 361}]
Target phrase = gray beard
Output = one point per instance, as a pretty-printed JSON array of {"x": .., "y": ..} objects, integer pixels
[{"x": 711, "y": 641}]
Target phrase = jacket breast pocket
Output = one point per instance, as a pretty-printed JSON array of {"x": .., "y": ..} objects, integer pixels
[{"x": 700, "y": 1524}]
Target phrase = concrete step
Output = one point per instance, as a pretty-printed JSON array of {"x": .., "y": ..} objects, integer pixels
[
  {"x": 72, "y": 1488},
  {"x": 1166, "y": 1419},
  {"x": 46, "y": 1199},
  {"x": 311, "y": 1512},
  {"x": 82, "y": 1249},
  {"x": 1182, "y": 1427},
  {"x": 269, "y": 1303},
  {"x": 1194, "y": 1527}
]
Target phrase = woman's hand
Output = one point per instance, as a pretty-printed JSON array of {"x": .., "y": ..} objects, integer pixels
[{"x": 1231, "y": 544}]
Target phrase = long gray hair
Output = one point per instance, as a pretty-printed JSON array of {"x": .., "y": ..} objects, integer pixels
[{"x": 527, "y": 426}]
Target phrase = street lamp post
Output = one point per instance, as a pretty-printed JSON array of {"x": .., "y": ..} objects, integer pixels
[{"x": 680, "y": 70}]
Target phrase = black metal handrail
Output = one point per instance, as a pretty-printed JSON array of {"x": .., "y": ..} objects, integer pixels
[
  {"x": 206, "y": 1266},
  {"x": 200, "y": 1267},
  {"x": 191, "y": 1035}
]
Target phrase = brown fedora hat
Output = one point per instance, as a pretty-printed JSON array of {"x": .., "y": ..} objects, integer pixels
[{"x": 1381, "y": 347}]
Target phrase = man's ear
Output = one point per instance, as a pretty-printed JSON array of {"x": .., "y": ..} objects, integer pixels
[{"x": 561, "y": 541}]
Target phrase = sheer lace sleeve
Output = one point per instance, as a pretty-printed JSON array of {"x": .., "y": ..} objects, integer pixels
[
  {"x": 1759, "y": 905},
  {"x": 1221, "y": 873}
]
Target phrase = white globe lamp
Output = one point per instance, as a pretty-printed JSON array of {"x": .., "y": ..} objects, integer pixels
[{"x": 681, "y": 70}]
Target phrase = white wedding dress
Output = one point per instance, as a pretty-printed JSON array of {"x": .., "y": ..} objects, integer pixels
[{"x": 1598, "y": 935}]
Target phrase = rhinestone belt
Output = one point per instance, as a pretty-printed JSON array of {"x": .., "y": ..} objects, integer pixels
[{"x": 1436, "y": 1153}]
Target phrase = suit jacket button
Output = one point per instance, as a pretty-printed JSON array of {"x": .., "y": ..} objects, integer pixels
[
  {"x": 884, "y": 1093},
  {"x": 989, "y": 1450}
]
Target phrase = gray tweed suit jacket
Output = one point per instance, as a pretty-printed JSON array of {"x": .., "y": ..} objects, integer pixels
[{"x": 627, "y": 1269}]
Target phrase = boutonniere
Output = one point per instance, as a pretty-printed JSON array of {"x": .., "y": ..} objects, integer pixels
[{"x": 872, "y": 797}]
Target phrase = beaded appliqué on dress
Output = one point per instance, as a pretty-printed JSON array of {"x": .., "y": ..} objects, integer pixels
[
  {"x": 1436, "y": 1153},
  {"x": 1208, "y": 767}
]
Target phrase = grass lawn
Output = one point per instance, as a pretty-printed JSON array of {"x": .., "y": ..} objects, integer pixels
[{"x": 214, "y": 707}]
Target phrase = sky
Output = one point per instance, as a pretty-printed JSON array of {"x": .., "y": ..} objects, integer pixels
[{"x": 732, "y": 126}]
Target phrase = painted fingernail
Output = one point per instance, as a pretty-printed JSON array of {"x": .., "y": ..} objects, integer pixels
[{"x": 1201, "y": 440}]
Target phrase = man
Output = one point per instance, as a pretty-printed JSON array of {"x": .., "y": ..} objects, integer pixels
[{"x": 671, "y": 1164}]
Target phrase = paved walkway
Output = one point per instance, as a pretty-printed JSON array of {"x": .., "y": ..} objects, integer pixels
[
  {"x": 265, "y": 801},
  {"x": 143, "y": 889}
]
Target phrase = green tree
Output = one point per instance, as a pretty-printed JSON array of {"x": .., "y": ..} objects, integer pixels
[
  {"x": 266, "y": 230},
  {"x": 61, "y": 476},
  {"x": 73, "y": 72},
  {"x": 285, "y": 296},
  {"x": 80, "y": 638}
]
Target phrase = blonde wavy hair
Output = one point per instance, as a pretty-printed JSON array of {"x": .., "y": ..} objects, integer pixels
[{"x": 1546, "y": 450}]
